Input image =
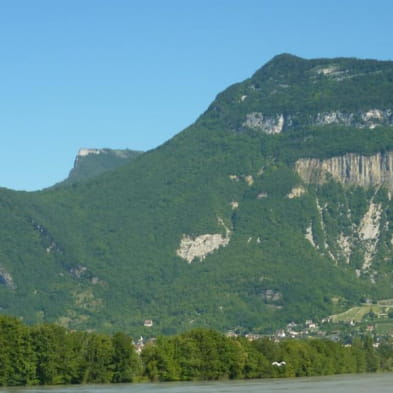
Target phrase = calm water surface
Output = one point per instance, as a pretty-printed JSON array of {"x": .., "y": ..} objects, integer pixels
[{"x": 376, "y": 383}]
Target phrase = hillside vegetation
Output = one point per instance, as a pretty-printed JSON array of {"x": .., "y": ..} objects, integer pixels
[{"x": 216, "y": 228}]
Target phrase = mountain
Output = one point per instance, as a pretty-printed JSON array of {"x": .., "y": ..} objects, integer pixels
[
  {"x": 90, "y": 163},
  {"x": 274, "y": 206}
]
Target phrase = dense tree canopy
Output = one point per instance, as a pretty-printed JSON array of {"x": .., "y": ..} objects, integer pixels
[{"x": 51, "y": 355}]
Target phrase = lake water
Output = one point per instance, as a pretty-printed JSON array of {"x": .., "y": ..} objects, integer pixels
[{"x": 375, "y": 383}]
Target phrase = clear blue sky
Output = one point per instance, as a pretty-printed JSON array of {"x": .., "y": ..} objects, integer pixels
[{"x": 131, "y": 74}]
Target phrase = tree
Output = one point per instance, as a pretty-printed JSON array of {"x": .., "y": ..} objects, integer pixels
[
  {"x": 125, "y": 360},
  {"x": 97, "y": 356}
]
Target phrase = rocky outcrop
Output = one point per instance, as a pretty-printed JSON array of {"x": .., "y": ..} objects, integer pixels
[
  {"x": 350, "y": 169},
  {"x": 338, "y": 72},
  {"x": 270, "y": 295},
  {"x": 83, "y": 152},
  {"x": 47, "y": 240},
  {"x": 332, "y": 72},
  {"x": 234, "y": 177},
  {"x": 277, "y": 123},
  {"x": 345, "y": 247},
  {"x": 369, "y": 232},
  {"x": 78, "y": 271},
  {"x": 327, "y": 118},
  {"x": 199, "y": 247},
  {"x": 249, "y": 180},
  {"x": 6, "y": 279},
  {"x": 362, "y": 237},
  {"x": 267, "y": 124},
  {"x": 309, "y": 236},
  {"x": 122, "y": 153},
  {"x": 234, "y": 205},
  {"x": 296, "y": 192},
  {"x": 363, "y": 119}
]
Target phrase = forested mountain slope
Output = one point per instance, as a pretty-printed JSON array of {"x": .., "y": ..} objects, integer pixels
[{"x": 275, "y": 205}]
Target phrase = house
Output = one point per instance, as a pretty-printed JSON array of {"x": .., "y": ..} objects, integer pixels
[
  {"x": 148, "y": 323},
  {"x": 231, "y": 334},
  {"x": 310, "y": 324},
  {"x": 139, "y": 345},
  {"x": 252, "y": 337},
  {"x": 280, "y": 333}
]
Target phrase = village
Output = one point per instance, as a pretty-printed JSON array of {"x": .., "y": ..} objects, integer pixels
[{"x": 337, "y": 328}]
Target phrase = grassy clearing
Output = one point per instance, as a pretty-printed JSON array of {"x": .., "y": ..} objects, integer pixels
[
  {"x": 386, "y": 302},
  {"x": 384, "y": 327},
  {"x": 355, "y": 314}
]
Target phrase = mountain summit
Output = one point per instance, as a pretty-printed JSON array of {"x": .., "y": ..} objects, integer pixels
[
  {"x": 274, "y": 206},
  {"x": 292, "y": 92}
]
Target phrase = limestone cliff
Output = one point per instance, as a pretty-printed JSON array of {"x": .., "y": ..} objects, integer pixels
[
  {"x": 351, "y": 169},
  {"x": 199, "y": 247},
  {"x": 266, "y": 124},
  {"x": 364, "y": 236},
  {"x": 279, "y": 122}
]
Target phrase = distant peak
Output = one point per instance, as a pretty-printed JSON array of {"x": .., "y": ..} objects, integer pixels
[
  {"x": 285, "y": 57},
  {"x": 281, "y": 64}
]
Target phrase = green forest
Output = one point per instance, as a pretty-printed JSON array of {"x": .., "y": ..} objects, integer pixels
[{"x": 51, "y": 355}]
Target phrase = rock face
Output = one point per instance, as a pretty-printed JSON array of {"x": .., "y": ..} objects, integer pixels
[
  {"x": 367, "y": 119},
  {"x": 369, "y": 232},
  {"x": 351, "y": 169},
  {"x": 6, "y": 279},
  {"x": 267, "y": 124},
  {"x": 296, "y": 192},
  {"x": 122, "y": 153},
  {"x": 277, "y": 123},
  {"x": 200, "y": 246},
  {"x": 345, "y": 247},
  {"x": 83, "y": 152},
  {"x": 309, "y": 236}
]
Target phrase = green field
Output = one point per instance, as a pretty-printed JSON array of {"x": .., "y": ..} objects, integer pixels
[
  {"x": 357, "y": 314},
  {"x": 384, "y": 327}
]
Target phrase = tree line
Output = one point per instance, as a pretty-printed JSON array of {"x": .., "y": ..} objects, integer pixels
[{"x": 49, "y": 355}]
